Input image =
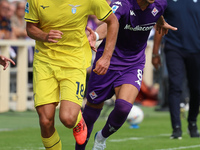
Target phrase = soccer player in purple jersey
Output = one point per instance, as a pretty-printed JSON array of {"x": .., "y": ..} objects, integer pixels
[{"x": 124, "y": 75}]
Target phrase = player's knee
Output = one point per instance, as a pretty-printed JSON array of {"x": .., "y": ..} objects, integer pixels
[
  {"x": 46, "y": 123},
  {"x": 68, "y": 120}
]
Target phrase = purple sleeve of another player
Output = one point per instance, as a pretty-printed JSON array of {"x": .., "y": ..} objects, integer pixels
[{"x": 119, "y": 8}]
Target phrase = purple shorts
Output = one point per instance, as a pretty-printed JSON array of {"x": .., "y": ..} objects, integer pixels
[{"x": 101, "y": 87}]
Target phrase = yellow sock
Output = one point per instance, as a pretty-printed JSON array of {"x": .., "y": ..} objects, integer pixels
[
  {"x": 52, "y": 143},
  {"x": 78, "y": 118}
]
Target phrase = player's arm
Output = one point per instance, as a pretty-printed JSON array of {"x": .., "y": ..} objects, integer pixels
[
  {"x": 101, "y": 31},
  {"x": 155, "y": 55},
  {"x": 110, "y": 34},
  {"x": 110, "y": 31},
  {"x": 37, "y": 34},
  {"x": 97, "y": 35},
  {"x": 162, "y": 26}
]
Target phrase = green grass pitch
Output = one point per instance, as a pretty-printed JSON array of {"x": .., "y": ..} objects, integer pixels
[{"x": 20, "y": 131}]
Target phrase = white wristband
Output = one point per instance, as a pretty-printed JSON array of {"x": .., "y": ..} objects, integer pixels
[{"x": 97, "y": 36}]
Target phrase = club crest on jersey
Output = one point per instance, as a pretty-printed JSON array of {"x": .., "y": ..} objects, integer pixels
[
  {"x": 93, "y": 95},
  {"x": 154, "y": 11},
  {"x": 114, "y": 8},
  {"x": 27, "y": 8},
  {"x": 73, "y": 8}
]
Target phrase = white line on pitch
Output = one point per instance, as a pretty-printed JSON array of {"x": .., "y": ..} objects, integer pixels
[
  {"x": 125, "y": 139},
  {"x": 137, "y": 138},
  {"x": 182, "y": 147},
  {"x": 21, "y": 148},
  {"x": 5, "y": 129}
]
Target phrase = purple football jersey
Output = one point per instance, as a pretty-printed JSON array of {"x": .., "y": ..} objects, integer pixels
[{"x": 135, "y": 26}]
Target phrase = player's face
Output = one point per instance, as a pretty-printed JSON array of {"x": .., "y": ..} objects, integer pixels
[{"x": 150, "y": 1}]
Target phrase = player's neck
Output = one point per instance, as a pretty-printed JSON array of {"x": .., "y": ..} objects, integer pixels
[{"x": 143, "y": 4}]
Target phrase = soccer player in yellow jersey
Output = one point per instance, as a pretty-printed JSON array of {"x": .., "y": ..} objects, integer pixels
[{"x": 62, "y": 54}]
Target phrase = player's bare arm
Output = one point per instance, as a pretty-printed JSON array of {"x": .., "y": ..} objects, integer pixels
[
  {"x": 156, "y": 61},
  {"x": 101, "y": 31},
  {"x": 162, "y": 26},
  {"x": 36, "y": 33},
  {"x": 112, "y": 31}
]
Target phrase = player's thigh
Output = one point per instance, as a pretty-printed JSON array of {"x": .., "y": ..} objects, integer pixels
[
  {"x": 72, "y": 85},
  {"x": 128, "y": 84},
  {"x": 127, "y": 92},
  {"x": 45, "y": 85},
  {"x": 69, "y": 111},
  {"x": 100, "y": 87}
]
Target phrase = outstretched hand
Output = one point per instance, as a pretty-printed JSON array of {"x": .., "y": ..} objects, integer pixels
[
  {"x": 5, "y": 61},
  {"x": 162, "y": 26},
  {"x": 92, "y": 39}
]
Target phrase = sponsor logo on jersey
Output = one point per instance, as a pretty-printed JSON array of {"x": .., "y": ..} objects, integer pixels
[
  {"x": 118, "y": 3},
  {"x": 27, "y": 8},
  {"x": 154, "y": 11},
  {"x": 74, "y": 8},
  {"x": 114, "y": 8},
  {"x": 132, "y": 13},
  {"x": 139, "y": 27},
  {"x": 93, "y": 95},
  {"x": 44, "y": 6}
]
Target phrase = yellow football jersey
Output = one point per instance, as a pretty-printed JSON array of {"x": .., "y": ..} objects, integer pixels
[{"x": 70, "y": 17}]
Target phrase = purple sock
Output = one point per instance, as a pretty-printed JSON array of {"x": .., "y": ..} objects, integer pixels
[
  {"x": 90, "y": 115},
  {"x": 117, "y": 117}
]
